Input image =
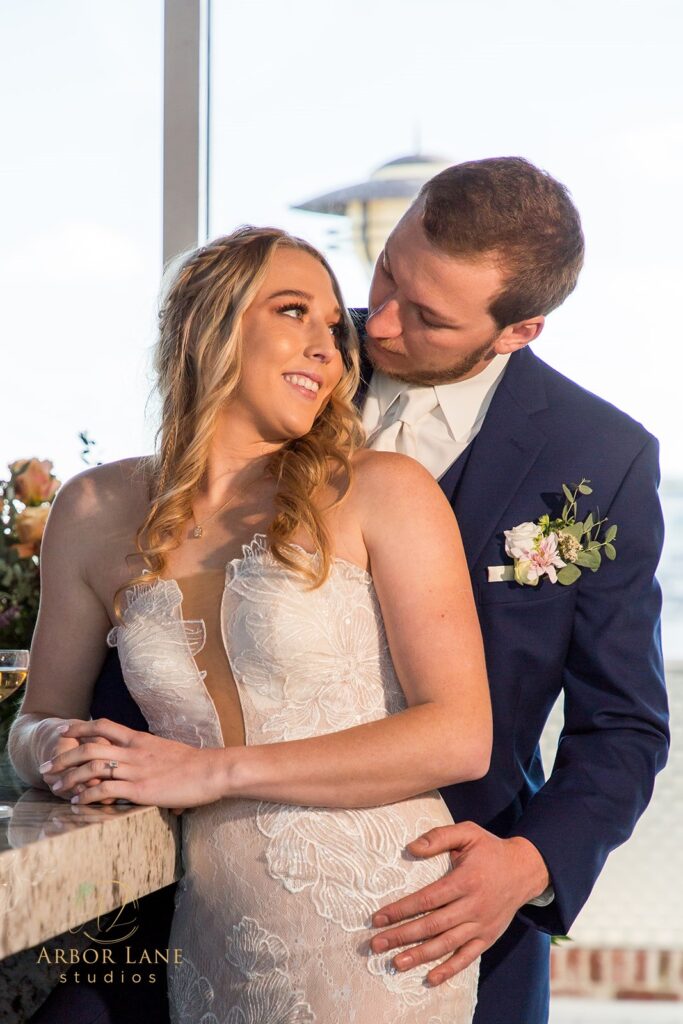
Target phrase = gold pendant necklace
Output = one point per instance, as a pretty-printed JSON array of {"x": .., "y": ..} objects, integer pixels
[{"x": 199, "y": 527}]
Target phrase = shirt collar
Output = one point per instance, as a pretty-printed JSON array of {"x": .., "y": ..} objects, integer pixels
[
  {"x": 464, "y": 401},
  {"x": 461, "y": 401}
]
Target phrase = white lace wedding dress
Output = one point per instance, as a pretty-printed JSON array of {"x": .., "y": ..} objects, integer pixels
[{"x": 273, "y": 910}]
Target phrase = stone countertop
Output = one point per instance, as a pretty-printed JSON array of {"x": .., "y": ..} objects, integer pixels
[{"x": 62, "y": 865}]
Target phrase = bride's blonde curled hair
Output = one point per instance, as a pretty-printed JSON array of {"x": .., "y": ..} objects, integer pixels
[{"x": 198, "y": 362}]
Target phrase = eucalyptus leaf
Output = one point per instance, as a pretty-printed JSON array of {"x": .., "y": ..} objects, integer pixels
[
  {"x": 589, "y": 523},
  {"x": 575, "y": 530},
  {"x": 610, "y": 551},
  {"x": 611, "y": 534},
  {"x": 568, "y": 494},
  {"x": 589, "y": 560},
  {"x": 568, "y": 575},
  {"x": 585, "y": 489}
]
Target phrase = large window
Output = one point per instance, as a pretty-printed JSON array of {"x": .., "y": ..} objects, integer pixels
[{"x": 80, "y": 249}]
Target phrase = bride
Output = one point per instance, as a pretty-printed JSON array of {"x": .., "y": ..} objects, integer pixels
[{"x": 294, "y": 617}]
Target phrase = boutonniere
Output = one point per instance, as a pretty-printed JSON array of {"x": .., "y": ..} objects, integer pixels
[{"x": 560, "y": 548}]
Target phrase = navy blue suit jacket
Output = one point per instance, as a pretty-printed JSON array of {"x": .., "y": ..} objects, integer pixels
[{"x": 598, "y": 641}]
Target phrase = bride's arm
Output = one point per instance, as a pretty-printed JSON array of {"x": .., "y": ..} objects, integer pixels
[
  {"x": 423, "y": 584},
  {"x": 69, "y": 642}
]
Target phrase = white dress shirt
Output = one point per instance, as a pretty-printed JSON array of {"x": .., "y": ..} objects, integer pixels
[{"x": 455, "y": 413}]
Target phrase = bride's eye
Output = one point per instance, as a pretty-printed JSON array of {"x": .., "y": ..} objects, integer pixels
[
  {"x": 292, "y": 308},
  {"x": 337, "y": 332}
]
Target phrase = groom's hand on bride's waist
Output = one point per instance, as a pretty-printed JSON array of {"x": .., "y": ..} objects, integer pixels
[{"x": 468, "y": 909}]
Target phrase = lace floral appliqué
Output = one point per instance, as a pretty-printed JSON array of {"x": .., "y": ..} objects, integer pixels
[
  {"x": 156, "y": 650},
  {"x": 268, "y": 993}
]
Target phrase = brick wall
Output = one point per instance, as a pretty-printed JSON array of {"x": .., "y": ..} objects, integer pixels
[{"x": 616, "y": 973}]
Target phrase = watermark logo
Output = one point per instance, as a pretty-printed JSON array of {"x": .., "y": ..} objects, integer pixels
[
  {"x": 117, "y": 925},
  {"x": 99, "y": 944}
]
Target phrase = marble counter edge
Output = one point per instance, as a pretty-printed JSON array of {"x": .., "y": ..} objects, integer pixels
[{"x": 116, "y": 854}]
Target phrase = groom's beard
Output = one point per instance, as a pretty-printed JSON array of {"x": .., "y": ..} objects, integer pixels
[{"x": 458, "y": 369}]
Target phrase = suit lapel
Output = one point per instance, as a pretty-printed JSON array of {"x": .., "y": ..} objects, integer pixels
[
  {"x": 359, "y": 316},
  {"x": 503, "y": 452}
]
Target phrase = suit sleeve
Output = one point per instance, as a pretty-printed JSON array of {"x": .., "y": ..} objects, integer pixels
[{"x": 615, "y": 737}]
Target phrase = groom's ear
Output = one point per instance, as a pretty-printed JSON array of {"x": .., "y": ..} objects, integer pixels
[{"x": 516, "y": 336}]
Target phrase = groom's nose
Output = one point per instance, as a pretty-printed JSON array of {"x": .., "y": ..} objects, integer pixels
[{"x": 385, "y": 320}]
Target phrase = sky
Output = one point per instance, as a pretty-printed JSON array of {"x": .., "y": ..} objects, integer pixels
[{"x": 307, "y": 97}]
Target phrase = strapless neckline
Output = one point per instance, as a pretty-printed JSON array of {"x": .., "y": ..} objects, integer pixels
[
  {"x": 163, "y": 600},
  {"x": 257, "y": 546}
]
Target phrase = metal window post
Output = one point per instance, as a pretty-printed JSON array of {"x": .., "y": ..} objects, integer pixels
[{"x": 186, "y": 125}]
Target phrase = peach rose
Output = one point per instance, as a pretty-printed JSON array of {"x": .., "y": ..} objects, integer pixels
[
  {"x": 34, "y": 483},
  {"x": 29, "y": 526},
  {"x": 25, "y": 550}
]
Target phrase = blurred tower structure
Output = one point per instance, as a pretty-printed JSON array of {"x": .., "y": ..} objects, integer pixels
[{"x": 374, "y": 206}]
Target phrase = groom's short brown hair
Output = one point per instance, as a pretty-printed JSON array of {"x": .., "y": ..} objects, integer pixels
[{"x": 508, "y": 209}]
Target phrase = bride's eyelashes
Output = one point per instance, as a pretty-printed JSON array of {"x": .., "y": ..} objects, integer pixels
[
  {"x": 302, "y": 307},
  {"x": 289, "y": 307}
]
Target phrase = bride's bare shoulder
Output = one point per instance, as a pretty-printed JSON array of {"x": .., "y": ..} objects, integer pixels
[
  {"x": 390, "y": 488},
  {"x": 113, "y": 491},
  {"x": 378, "y": 470}
]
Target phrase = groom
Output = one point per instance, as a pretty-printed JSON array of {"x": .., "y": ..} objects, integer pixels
[{"x": 462, "y": 287}]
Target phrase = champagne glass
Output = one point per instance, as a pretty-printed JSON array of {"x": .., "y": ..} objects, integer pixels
[{"x": 13, "y": 672}]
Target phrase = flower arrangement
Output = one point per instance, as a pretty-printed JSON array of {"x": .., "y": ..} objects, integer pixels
[
  {"x": 560, "y": 548},
  {"x": 25, "y": 501}
]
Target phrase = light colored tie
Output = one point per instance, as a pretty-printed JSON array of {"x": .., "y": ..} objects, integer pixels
[{"x": 403, "y": 419}]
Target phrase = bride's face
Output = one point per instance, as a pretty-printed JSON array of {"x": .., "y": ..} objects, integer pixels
[{"x": 292, "y": 358}]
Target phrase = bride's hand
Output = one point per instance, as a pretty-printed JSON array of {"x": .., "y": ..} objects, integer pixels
[
  {"x": 151, "y": 770},
  {"x": 58, "y": 745}
]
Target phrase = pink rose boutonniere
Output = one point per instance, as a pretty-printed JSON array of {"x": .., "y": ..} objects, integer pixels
[{"x": 559, "y": 548}]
